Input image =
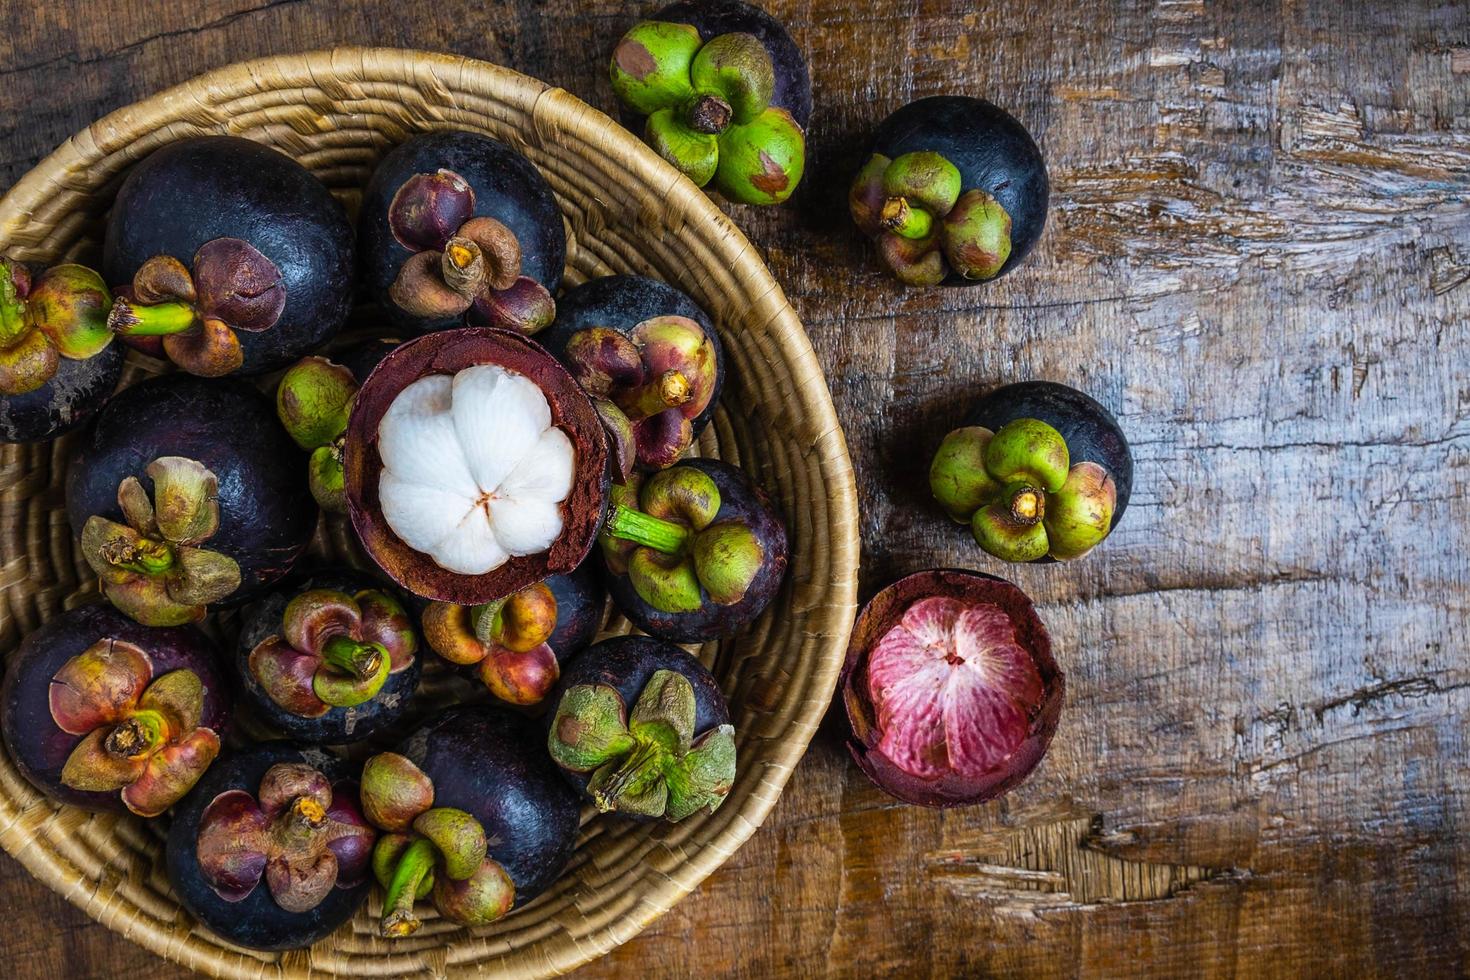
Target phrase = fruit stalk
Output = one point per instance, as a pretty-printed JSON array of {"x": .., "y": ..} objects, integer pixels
[
  {"x": 403, "y": 888},
  {"x": 357, "y": 659},
  {"x": 131, "y": 319},
  {"x": 647, "y": 530}
]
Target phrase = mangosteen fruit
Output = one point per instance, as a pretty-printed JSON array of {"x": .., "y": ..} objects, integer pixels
[
  {"x": 475, "y": 466},
  {"x": 950, "y": 688},
  {"x": 955, "y": 192},
  {"x": 104, "y": 714},
  {"x": 313, "y": 401},
  {"x": 332, "y": 659},
  {"x": 271, "y": 850},
  {"x": 724, "y": 93},
  {"x": 227, "y": 255},
  {"x": 473, "y": 816},
  {"x": 694, "y": 551},
  {"x": 1039, "y": 471},
  {"x": 457, "y": 228},
  {"x": 188, "y": 493},
  {"x": 650, "y": 359},
  {"x": 516, "y": 645},
  {"x": 58, "y": 363},
  {"x": 669, "y": 756}
]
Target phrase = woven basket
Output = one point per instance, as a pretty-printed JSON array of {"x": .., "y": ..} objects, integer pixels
[{"x": 337, "y": 112}]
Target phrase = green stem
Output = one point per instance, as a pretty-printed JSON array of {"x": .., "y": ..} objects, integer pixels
[
  {"x": 641, "y": 763},
  {"x": 647, "y": 530},
  {"x": 904, "y": 220},
  {"x": 141, "y": 733},
  {"x": 132, "y": 319},
  {"x": 12, "y": 308},
  {"x": 669, "y": 390},
  {"x": 360, "y": 660},
  {"x": 486, "y": 619},
  {"x": 403, "y": 888},
  {"x": 147, "y": 557}
]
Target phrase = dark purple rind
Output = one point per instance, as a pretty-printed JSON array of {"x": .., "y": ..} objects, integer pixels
[
  {"x": 621, "y": 303},
  {"x": 493, "y": 765},
  {"x": 626, "y": 664},
  {"x": 448, "y": 352},
  {"x": 740, "y": 499},
  {"x": 1091, "y": 432},
  {"x": 339, "y": 726},
  {"x": 256, "y": 922},
  {"x": 507, "y": 187},
  {"x": 992, "y": 151},
  {"x": 715, "y": 17},
  {"x": 880, "y": 614},
  {"x": 71, "y": 397},
  {"x": 581, "y": 609},
  {"x": 361, "y": 358},
  {"x": 196, "y": 190},
  {"x": 38, "y": 748},
  {"x": 267, "y": 514}
]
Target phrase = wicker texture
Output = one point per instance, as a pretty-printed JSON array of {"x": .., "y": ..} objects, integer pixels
[{"x": 627, "y": 211}]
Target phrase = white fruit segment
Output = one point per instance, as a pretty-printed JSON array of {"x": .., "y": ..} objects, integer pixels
[
  {"x": 953, "y": 690},
  {"x": 474, "y": 471}
]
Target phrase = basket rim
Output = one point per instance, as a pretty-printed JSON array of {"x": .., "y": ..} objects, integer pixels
[{"x": 308, "y": 68}]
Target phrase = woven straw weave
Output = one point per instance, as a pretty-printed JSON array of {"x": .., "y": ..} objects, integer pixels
[{"x": 627, "y": 211}]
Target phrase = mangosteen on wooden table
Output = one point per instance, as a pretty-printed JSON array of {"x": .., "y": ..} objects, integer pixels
[
  {"x": 313, "y": 402},
  {"x": 642, "y": 729},
  {"x": 955, "y": 192},
  {"x": 186, "y": 493},
  {"x": 723, "y": 93},
  {"x": 1040, "y": 471},
  {"x": 271, "y": 850},
  {"x": 57, "y": 360},
  {"x": 475, "y": 466},
  {"x": 515, "y": 646},
  {"x": 227, "y": 255},
  {"x": 474, "y": 817},
  {"x": 950, "y": 688},
  {"x": 458, "y": 228},
  {"x": 694, "y": 551},
  {"x": 330, "y": 659},
  {"x": 650, "y": 359},
  {"x": 102, "y": 713}
]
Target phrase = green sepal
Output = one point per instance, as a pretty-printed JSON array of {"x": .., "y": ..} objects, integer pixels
[
  {"x": 1080, "y": 514},
  {"x": 668, "y": 583},
  {"x": 665, "y": 711},
  {"x": 727, "y": 558},
  {"x": 924, "y": 178},
  {"x": 325, "y": 477},
  {"x": 69, "y": 304},
  {"x": 314, "y": 400},
  {"x": 1029, "y": 450},
  {"x": 737, "y": 67},
  {"x": 957, "y": 476},
  {"x": 458, "y": 837},
  {"x": 762, "y": 161},
  {"x": 704, "y": 777},
  {"x": 1006, "y": 539},
  {"x": 695, "y": 155},
  {"x": 590, "y": 728},
  {"x": 386, "y": 855},
  {"x": 977, "y": 236},
  {"x": 650, "y": 65}
]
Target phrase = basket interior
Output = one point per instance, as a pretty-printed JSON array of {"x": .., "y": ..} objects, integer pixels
[{"x": 337, "y": 113}]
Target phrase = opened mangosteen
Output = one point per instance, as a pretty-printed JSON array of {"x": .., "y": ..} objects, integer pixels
[
  {"x": 726, "y": 95},
  {"x": 474, "y": 819},
  {"x": 57, "y": 360},
  {"x": 516, "y": 645},
  {"x": 694, "y": 551},
  {"x": 458, "y": 228},
  {"x": 642, "y": 729},
  {"x": 313, "y": 401},
  {"x": 1039, "y": 471},
  {"x": 650, "y": 359},
  {"x": 102, "y": 713},
  {"x": 331, "y": 659},
  {"x": 271, "y": 850},
  {"x": 950, "y": 688},
  {"x": 187, "y": 493},
  {"x": 227, "y": 255},
  {"x": 955, "y": 192},
  {"x": 475, "y": 466}
]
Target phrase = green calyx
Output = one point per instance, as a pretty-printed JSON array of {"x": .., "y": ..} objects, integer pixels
[
  {"x": 1020, "y": 493},
  {"x": 445, "y": 854},
  {"x": 923, "y": 221},
  {"x": 665, "y": 537},
  {"x": 62, "y": 313},
  {"x": 709, "y": 109},
  {"x": 648, "y": 763},
  {"x": 152, "y": 567},
  {"x": 313, "y": 402},
  {"x": 359, "y": 671}
]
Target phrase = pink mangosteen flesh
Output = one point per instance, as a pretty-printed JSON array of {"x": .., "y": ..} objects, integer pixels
[{"x": 950, "y": 688}]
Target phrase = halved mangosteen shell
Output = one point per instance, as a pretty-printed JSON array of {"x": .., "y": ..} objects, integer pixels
[
  {"x": 449, "y": 352},
  {"x": 880, "y": 615}
]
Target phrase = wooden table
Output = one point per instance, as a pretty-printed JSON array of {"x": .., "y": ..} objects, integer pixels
[{"x": 1257, "y": 257}]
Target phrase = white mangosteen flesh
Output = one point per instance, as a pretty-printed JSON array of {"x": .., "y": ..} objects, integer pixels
[
  {"x": 953, "y": 690},
  {"x": 474, "y": 471}
]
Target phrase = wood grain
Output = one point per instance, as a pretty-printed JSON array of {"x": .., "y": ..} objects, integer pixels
[{"x": 1257, "y": 257}]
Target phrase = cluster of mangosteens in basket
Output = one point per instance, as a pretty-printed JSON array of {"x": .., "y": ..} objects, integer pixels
[{"x": 505, "y": 457}]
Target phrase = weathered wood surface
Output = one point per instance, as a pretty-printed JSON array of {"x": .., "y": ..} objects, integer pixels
[{"x": 1257, "y": 256}]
